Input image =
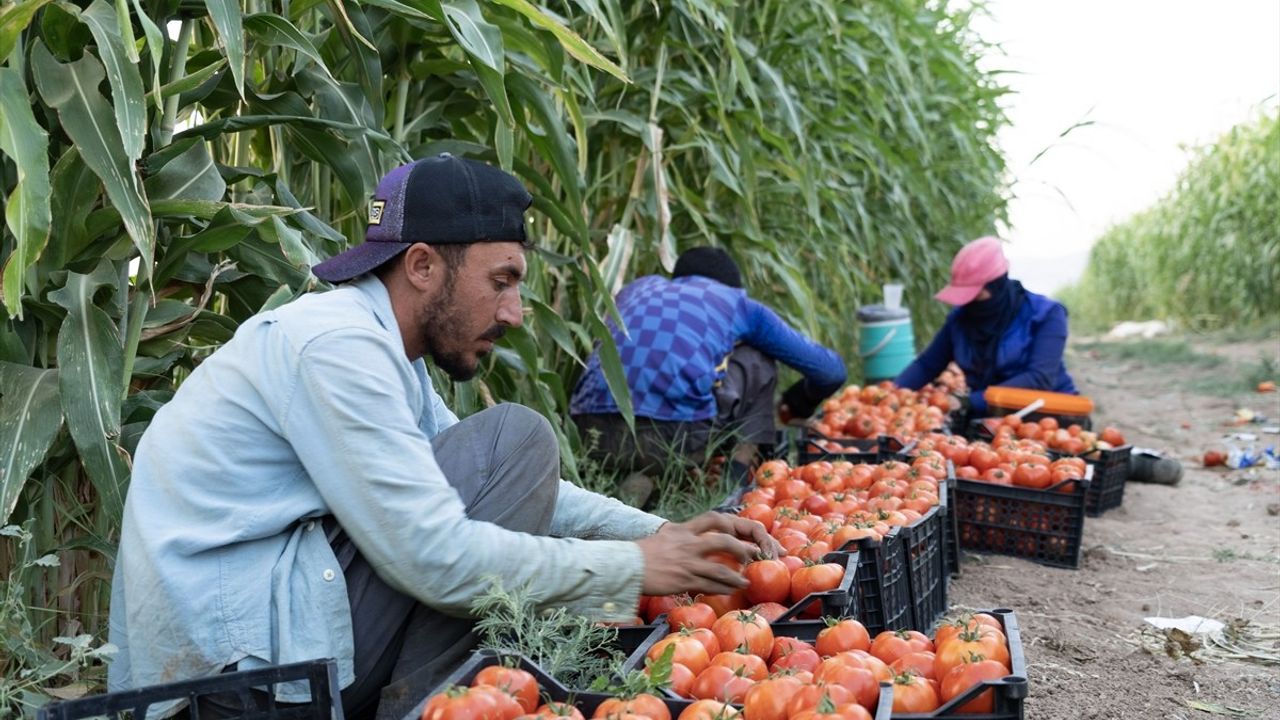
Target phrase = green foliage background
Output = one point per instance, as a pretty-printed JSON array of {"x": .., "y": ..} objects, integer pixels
[
  {"x": 160, "y": 187},
  {"x": 1207, "y": 254}
]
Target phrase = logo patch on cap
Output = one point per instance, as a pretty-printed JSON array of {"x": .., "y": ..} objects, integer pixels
[{"x": 375, "y": 211}]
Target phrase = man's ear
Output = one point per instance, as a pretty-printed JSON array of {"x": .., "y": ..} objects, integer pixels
[{"x": 423, "y": 267}]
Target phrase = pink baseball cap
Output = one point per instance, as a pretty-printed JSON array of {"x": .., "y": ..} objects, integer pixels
[{"x": 977, "y": 264}]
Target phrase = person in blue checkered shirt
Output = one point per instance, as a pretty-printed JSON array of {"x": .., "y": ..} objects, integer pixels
[{"x": 700, "y": 360}]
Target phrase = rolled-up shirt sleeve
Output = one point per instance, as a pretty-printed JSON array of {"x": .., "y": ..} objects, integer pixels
[
  {"x": 358, "y": 439},
  {"x": 583, "y": 514}
]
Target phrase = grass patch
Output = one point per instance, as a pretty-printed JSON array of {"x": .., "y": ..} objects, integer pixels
[
  {"x": 1238, "y": 378},
  {"x": 1153, "y": 352}
]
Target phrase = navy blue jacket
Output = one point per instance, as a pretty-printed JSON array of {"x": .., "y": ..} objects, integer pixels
[{"x": 1029, "y": 356}]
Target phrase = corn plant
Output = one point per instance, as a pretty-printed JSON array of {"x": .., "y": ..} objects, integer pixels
[
  {"x": 171, "y": 167},
  {"x": 1207, "y": 254}
]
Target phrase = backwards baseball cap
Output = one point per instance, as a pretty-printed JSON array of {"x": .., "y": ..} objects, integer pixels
[
  {"x": 436, "y": 200},
  {"x": 977, "y": 264}
]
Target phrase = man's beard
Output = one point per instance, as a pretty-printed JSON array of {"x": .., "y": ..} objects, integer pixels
[{"x": 442, "y": 326}]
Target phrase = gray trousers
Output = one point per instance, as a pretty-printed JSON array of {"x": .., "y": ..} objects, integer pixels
[
  {"x": 744, "y": 414},
  {"x": 505, "y": 464}
]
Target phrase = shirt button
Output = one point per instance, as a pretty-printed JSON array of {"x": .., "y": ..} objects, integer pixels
[
  {"x": 311, "y": 525},
  {"x": 610, "y": 607},
  {"x": 328, "y": 575}
]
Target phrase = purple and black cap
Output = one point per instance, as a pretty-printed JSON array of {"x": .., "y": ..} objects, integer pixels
[{"x": 436, "y": 200}]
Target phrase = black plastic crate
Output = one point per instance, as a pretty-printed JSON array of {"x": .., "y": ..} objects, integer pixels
[
  {"x": 549, "y": 688},
  {"x": 1007, "y": 692},
  {"x": 869, "y": 450},
  {"x": 1045, "y": 526},
  {"x": 320, "y": 675},
  {"x": 883, "y": 585},
  {"x": 924, "y": 545},
  {"x": 951, "y": 539},
  {"x": 841, "y": 602},
  {"x": 1110, "y": 474}
]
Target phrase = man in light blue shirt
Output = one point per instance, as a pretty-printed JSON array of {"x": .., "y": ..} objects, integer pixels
[{"x": 306, "y": 494}]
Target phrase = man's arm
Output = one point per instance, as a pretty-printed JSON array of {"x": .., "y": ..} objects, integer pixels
[
  {"x": 822, "y": 367},
  {"x": 357, "y": 437},
  {"x": 583, "y": 514}
]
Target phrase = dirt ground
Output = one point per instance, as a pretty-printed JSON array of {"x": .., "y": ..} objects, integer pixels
[{"x": 1207, "y": 547}]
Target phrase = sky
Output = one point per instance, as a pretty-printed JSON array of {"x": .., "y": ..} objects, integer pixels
[{"x": 1153, "y": 77}]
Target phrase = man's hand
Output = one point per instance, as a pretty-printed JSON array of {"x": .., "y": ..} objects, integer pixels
[{"x": 675, "y": 557}]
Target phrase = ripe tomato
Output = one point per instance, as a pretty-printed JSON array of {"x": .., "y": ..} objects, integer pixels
[
  {"x": 840, "y": 636},
  {"x": 786, "y": 645},
  {"x": 770, "y": 611},
  {"x": 642, "y": 704},
  {"x": 979, "y": 641},
  {"x": 983, "y": 458},
  {"x": 506, "y": 707},
  {"x": 752, "y": 666},
  {"x": 997, "y": 476},
  {"x": 768, "y": 699},
  {"x": 966, "y": 675},
  {"x": 721, "y": 683},
  {"x": 913, "y": 694},
  {"x": 558, "y": 710},
  {"x": 848, "y": 671},
  {"x": 919, "y": 662},
  {"x": 950, "y": 628},
  {"x": 800, "y": 659},
  {"x": 693, "y": 615},
  {"x": 893, "y": 644},
  {"x": 831, "y": 711},
  {"x": 771, "y": 473},
  {"x": 661, "y": 605},
  {"x": 688, "y": 651},
  {"x": 681, "y": 680},
  {"x": 815, "y": 578},
  {"x": 737, "y": 629},
  {"x": 709, "y": 710},
  {"x": 761, "y": 513},
  {"x": 809, "y": 697},
  {"x": 515, "y": 682},
  {"x": 460, "y": 703},
  {"x": 1111, "y": 436},
  {"x": 722, "y": 604},
  {"x": 1032, "y": 476}
]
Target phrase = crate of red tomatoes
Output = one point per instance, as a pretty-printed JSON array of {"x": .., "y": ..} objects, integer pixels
[
  {"x": 1013, "y": 498},
  {"x": 891, "y": 513},
  {"x": 971, "y": 664}
]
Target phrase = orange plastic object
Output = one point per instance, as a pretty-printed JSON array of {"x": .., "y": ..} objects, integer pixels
[{"x": 1013, "y": 399}]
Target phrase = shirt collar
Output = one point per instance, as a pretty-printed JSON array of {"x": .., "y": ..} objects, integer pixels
[{"x": 372, "y": 288}]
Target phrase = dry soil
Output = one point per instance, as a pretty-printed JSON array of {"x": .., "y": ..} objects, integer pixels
[{"x": 1208, "y": 547}]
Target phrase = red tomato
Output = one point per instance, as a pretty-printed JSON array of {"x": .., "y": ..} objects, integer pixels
[
  {"x": 964, "y": 676},
  {"x": 815, "y": 578},
  {"x": 709, "y": 710},
  {"x": 893, "y": 644},
  {"x": 459, "y": 703},
  {"x": 688, "y": 652},
  {"x": 721, "y": 683},
  {"x": 770, "y": 581},
  {"x": 913, "y": 694},
  {"x": 770, "y": 611},
  {"x": 771, "y": 473},
  {"x": 768, "y": 699},
  {"x": 840, "y": 636},
  {"x": 642, "y": 704},
  {"x": 751, "y": 666},
  {"x": 515, "y": 682},
  {"x": 919, "y": 662},
  {"x": 849, "y": 672},
  {"x": 801, "y": 659},
  {"x": 558, "y": 710},
  {"x": 693, "y": 615},
  {"x": 662, "y": 605},
  {"x": 809, "y": 696},
  {"x": 738, "y": 629}
]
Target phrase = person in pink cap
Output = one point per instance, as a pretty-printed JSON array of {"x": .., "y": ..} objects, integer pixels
[{"x": 999, "y": 333}]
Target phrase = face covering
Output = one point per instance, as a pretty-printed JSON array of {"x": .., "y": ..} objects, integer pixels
[{"x": 984, "y": 322}]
